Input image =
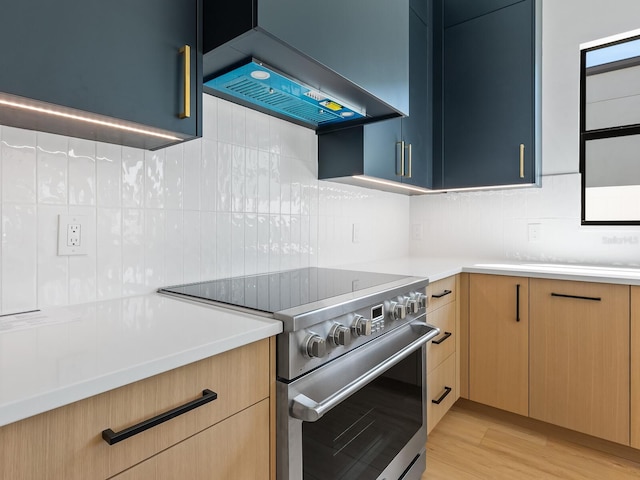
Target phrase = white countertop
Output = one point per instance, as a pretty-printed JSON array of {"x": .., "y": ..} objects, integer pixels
[
  {"x": 63, "y": 354},
  {"x": 438, "y": 268}
]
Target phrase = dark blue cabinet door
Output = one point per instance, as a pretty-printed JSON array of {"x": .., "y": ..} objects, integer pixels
[
  {"x": 416, "y": 128},
  {"x": 381, "y": 149},
  {"x": 118, "y": 58},
  {"x": 488, "y": 101},
  {"x": 458, "y": 11},
  {"x": 375, "y": 149}
]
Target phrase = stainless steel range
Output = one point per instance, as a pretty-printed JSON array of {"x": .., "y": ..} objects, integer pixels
[{"x": 350, "y": 364}]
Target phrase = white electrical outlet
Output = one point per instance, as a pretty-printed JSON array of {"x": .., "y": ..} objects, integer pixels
[
  {"x": 356, "y": 233},
  {"x": 72, "y": 235},
  {"x": 417, "y": 231},
  {"x": 535, "y": 232}
]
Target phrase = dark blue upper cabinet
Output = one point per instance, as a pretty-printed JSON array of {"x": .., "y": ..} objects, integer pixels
[
  {"x": 120, "y": 61},
  {"x": 488, "y": 96},
  {"x": 356, "y": 51},
  {"x": 458, "y": 11},
  {"x": 396, "y": 150}
]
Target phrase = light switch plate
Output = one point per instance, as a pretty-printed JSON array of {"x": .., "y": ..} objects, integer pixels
[{"x": 73, "y": 236}]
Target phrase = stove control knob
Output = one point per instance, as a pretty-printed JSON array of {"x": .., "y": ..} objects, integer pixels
[
  {"x": 340, "y": 335},
  {"x": 422, "y": 300},
  {"x": 315, "y": 346},
  {"x": 397, "y": 311},
  {"x": 413, "y": 306},
  {"x": 361, "y": 326}
]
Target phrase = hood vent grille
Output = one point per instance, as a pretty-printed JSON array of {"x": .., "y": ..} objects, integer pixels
[{"x": 260, "y": 85}]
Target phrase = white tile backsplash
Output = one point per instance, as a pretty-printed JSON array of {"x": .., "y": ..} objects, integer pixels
[
  {"x": 154, "y": 180},
  {"x": 192, "y": 246},
  {"x": 109, "y": 253},
  {"x": 133, "y": 247},
  {"x": 495, "y": 224},
  {"x": 243, "y": 199},
  {"x": 223, "y": 176},
  {"x": 109, "y": 175},
  {"x": 52, "y": 168},
  {"x": 174, "y": 246},
  {"x": 19, "y": 257},
  {"x": 82, "y": 172},
  {"x": 18, "y": 150},
  {"x": 52, "y": 271},
  {"x": 174, "y": 177},
  {"x": 133, "y": 175}
]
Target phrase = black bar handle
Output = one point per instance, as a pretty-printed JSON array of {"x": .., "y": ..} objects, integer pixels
[
  {"x": 442, "y": 339},
  {"x": 112, "y": 437},
  {"x": 518, "y": 302},
  {"x": 438, "y": 401},
  {"x": 443, "y": 294},
  {"x": 595, "y": 299}
]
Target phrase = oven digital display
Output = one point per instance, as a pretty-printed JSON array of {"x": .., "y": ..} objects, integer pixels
[{"x": 377, "y": 312}]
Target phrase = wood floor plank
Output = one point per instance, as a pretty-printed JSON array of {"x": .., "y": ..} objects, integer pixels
[{"x": 469, "y": 444}]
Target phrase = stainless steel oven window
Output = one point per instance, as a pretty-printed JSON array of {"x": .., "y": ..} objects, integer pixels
[{"x": 359, "y": 438}]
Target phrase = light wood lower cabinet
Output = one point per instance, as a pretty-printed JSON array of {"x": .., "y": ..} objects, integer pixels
[
  {"x": 580, "y": 357},
  {"x": 499, "y": 342},
  {"x": 236, "y": 448},
  {"x": 442, "y": 358},
  {"x": 635, "y": 367},
  {"x": 441, "y": 391},
  {"x": 66, "y": 443}
]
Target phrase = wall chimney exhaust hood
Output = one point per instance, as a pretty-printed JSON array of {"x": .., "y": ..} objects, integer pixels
[{"x": 323, "y": 65}]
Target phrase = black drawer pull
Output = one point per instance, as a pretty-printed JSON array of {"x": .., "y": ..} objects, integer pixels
[
  {"x": 595, "y": 299},
  {"x": 443, "y": 294},
  {"x": 438, "y": 401},
  {"x": 112, "y": 437},
  {"x": 442, "y": 339},
  {"x": 518, "y": 302}
]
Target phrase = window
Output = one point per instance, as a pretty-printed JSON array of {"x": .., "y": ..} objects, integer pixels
[{"x": 610, "y": 132}]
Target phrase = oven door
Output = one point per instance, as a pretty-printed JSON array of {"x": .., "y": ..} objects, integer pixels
[{"x": 361, "y": 416}]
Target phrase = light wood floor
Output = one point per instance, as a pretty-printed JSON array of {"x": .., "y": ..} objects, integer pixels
[{"x": 476, "y": 443}]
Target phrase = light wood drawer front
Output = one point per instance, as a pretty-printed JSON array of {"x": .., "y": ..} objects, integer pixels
[
  {"x": 236, "y": 448},
  {"x": 579, "y": 363},
  {"x": 445, "y": 319},
  {"x": 437, "y": 293},
  {"x": 66, "y": 443},
  {"x": 635, "y": 367},
  {"x": 438, "y": 381}
]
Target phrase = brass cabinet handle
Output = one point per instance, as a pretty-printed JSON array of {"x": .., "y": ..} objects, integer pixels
[
  {"x": 401, "y": 144},
  {"x": 522, "y": 160},
  {"x": 186, "y": 52},
  {"x": 409, "y": 174}
]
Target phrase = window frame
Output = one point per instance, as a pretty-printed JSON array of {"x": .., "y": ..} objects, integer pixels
[{"x": 596, "y": 134}]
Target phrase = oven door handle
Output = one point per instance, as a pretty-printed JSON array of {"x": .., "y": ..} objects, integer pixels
[{"x": 308, "y": 410}]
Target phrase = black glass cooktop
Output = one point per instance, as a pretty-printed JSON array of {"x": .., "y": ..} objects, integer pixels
[{"x": 273, "y": 292}]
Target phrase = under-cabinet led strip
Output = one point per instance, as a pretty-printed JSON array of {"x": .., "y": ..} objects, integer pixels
[
  {"x": 393, "y": 184},
  {"x": 94, "y": 121},
  {"x": 444, "y": 190}
]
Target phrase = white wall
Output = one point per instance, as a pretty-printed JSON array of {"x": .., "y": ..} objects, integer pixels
[
  {"x": 243, "y": 199},
  {"x": 495, "y": 224}
]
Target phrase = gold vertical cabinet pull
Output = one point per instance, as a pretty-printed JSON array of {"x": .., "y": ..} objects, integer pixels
[
  {"x": 409, "y": 174},
  {"x": 522, "y": 160},
  {"x": 401, "y": 144},
  {"x": 186, "y": 52}
]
